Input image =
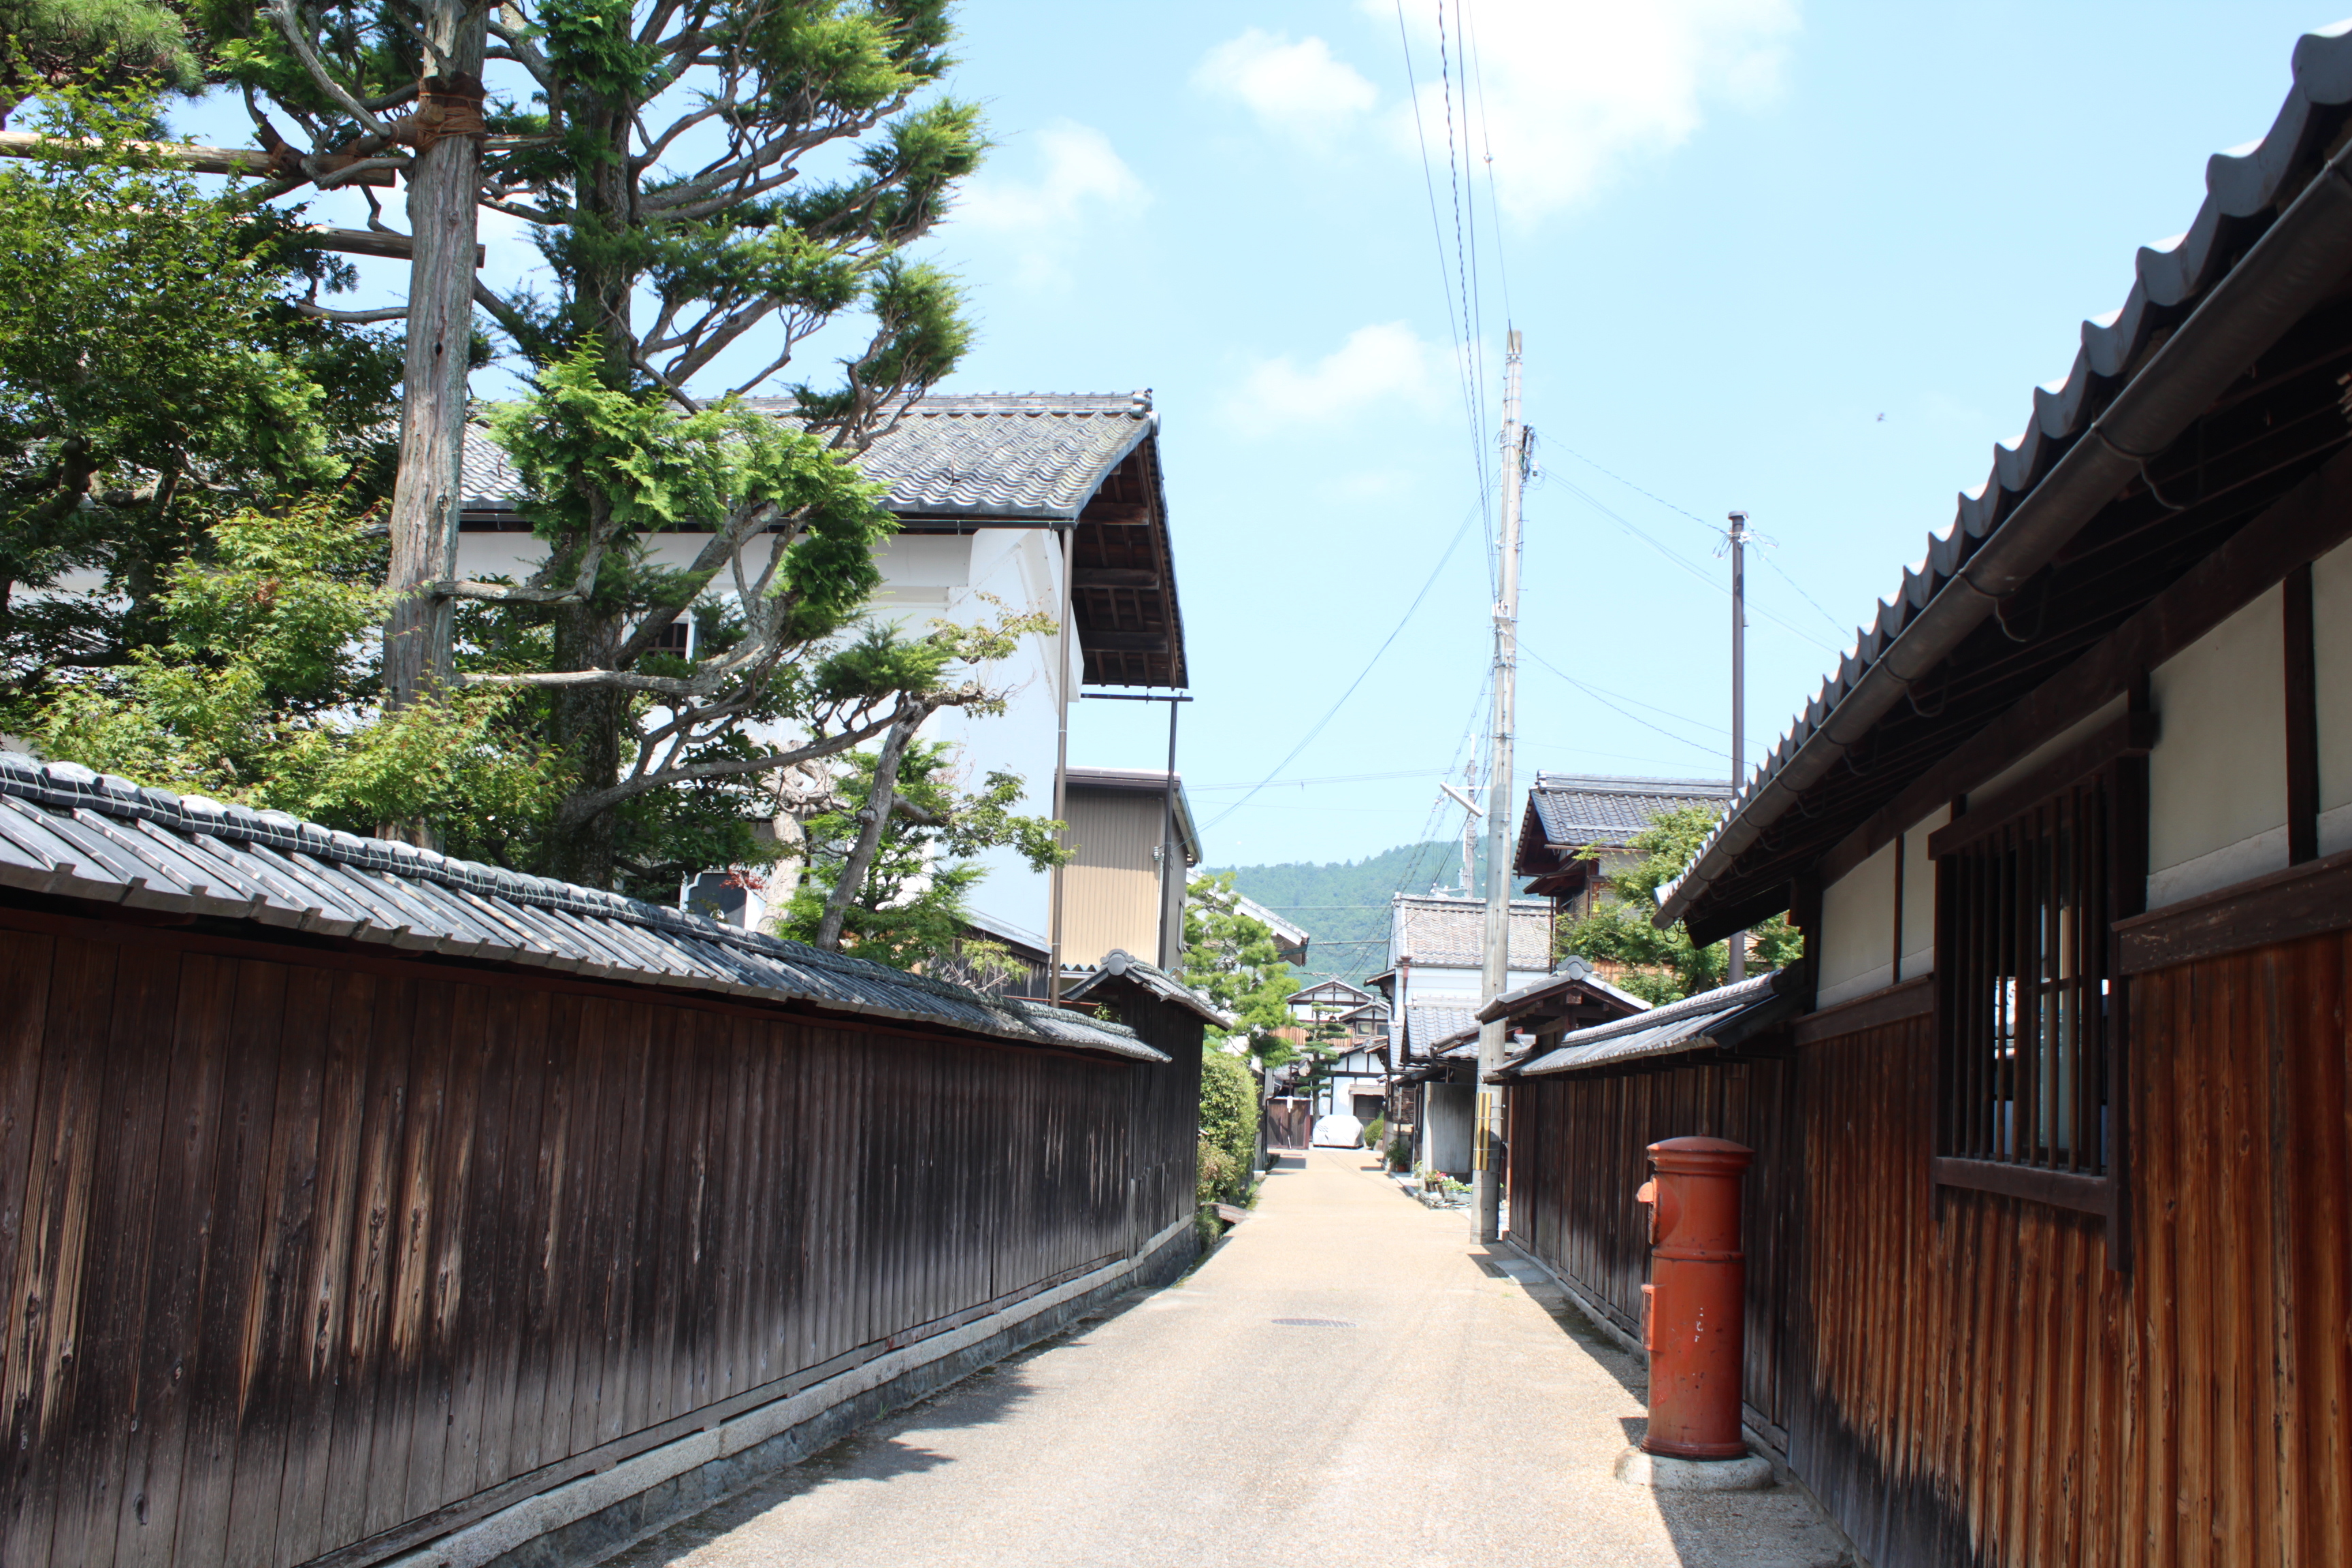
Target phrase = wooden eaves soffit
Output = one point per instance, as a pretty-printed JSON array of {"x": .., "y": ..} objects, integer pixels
[{"x": 960, "y": 463}]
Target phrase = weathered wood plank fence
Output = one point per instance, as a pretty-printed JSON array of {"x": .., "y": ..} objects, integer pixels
[
  {"x": 315, "y": 1254},
  {"x": 1958, "y": 1376}
]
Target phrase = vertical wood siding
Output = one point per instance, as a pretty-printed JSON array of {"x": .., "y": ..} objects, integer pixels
[
  {"x": 1960, "y": 1376},
  {"x": 299, "y": 1256}
]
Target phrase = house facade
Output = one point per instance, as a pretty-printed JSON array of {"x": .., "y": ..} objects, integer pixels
[
  {"x": 1575, "y": 829},
  {"x": 1436, "y": 956},
  {"x": 2049, "y": 1231},
  {"x": 1051, "y": 504}
]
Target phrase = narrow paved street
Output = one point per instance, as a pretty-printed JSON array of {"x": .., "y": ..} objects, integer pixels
[{"x": 1350, "y": 1380}]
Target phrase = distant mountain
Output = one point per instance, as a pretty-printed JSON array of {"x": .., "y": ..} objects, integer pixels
[{"x": 1344, "y": 905}]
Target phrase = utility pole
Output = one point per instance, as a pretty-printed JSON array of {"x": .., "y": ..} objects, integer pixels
[
  {"x": 1736, "y": 971},
  {"x": 1497, "y": 976}
]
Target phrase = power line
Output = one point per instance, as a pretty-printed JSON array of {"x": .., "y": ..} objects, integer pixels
[
  {"x": 1437, "y": 234},
  {"x": 1309, "y": 739},
  {"x": 1698, "y": 571},
  {"x": 1835, "y": 625},
  {"x": 1597, "y": 697}
]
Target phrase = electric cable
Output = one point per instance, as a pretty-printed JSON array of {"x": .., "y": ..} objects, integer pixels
[{"x": 1309, "y": 739}]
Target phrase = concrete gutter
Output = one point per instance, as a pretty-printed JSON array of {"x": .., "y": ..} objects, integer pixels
[{"x": 598, "y": 1515}]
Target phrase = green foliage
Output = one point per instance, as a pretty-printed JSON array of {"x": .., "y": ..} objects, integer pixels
[
  {"x": 1400, "y": 1152},
  {"x": 261, "y": 693},
  {"x": 1345, "y": 904},
  {"x": 1664, "y": 966},
  {"x": 1375, "y": 1133},
  {"x": 56, "y": 44},
  {"x": 153, "y": 378},
  {"x": 1229, "y": 1119},
  {"x": 912, "y": 909},
  {"x": 1231, "y": 958}
]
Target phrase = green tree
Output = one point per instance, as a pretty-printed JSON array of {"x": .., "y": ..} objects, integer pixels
[
  {"x": 1231, "y": 958},
  {"x": 671, "y": 161},
  {"x": 154, "y": 377},
  {"x": 55, "y": 44},
  {"x": 909, "y": 906},
  {"x": 1664, "y": 966},
  {"x": 262, "y": 693}
]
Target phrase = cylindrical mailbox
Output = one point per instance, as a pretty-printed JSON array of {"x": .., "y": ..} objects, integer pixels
[{"x": 1696, "y": 1303}]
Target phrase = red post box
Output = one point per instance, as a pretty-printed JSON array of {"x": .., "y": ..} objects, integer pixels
[{"x": 1694, "y": 1307}]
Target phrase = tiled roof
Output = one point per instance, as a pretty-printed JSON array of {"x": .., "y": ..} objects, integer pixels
[
  {"x": 67, "y": 831},
  {"x": 2249, "y": 193},
  {"x": 1576, "y": 811},
  {"x": 1575, "y": 973},
  {"x": 1119, "y": 965},
  {"x": 986, "y": 456},
  {"x": 1451, "y": 933},
  {"x": 1695, "y": 1023},
  {"x": 1427, "y": 1023}
]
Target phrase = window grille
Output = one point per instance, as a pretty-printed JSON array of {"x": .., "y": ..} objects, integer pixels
[{"x": 2030, "y": 1009}]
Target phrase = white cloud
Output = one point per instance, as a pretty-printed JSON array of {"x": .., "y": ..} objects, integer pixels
[
  {"x": 1574, "y": 92},
  {"x": 1079, "y": 177},
  {"x": 1296, "y": 88},
  {"x": 1385, "y": 363}
]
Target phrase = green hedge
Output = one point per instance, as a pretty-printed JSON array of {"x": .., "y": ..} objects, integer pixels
[{"x": 1229, "y": 1114}]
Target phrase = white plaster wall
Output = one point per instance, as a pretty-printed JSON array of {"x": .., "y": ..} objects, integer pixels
[
  {"x": 2217, "y": 779},
  {"x": 1920, "y": 896},
  {"x": 927, "y": 576},
  {"x": 1858, "y": 930},
  {"x": 2331, "y": 613},
  {"x": 1021, "y": 567}
]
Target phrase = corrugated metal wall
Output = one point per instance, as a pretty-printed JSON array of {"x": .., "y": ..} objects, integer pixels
[
  {"x": 1960, "y": 1376},
  {"x": 303, "y": 1251},
  {"x": 1113, "y": 884}
]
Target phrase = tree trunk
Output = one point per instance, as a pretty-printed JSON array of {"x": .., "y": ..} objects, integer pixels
[
  {"x": 429, "y": 487},
  {"x": 871, "y": 821},
  {"x": 588, "y": 723}
]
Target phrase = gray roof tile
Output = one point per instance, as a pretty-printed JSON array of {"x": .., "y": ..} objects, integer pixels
[
  {"x": 992, "y": 456},
  {"x": 67, "y": 831},
  {"x": 1451, "y": 933},
  {"x": 2245, "y": 189},
  {"x": 1576, "y": 812}
]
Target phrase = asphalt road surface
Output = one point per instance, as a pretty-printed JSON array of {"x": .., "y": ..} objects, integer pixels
[{"x": 1350, "y": 1380}]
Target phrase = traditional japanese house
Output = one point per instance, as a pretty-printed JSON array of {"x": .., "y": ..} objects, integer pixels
[
  {"x": 359, "y": 1204},
  {"x": 1576, "y": 829},
  {"x": 1046, "y": 503},
  {"x": 2049, "y": 1258},
  {"x": 1536, "y": 1014},
  {"x": 1436, "y": 956}
]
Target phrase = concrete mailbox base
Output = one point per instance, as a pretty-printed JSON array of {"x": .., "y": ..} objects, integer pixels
[{"x": 1750, "y": 1473}]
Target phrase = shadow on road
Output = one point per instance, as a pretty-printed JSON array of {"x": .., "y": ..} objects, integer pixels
[{"x": 878, "y": 1452}]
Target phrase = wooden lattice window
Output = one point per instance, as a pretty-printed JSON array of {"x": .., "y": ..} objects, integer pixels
[{"x": 2030, "y": 1013}]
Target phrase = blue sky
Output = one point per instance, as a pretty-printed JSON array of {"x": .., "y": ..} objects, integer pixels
[
  {"x": 1805, "y": 259},
  {"x": 1808, "y": 259}
]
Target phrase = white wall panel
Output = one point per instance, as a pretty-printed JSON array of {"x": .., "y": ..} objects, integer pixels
[
  {"x": 1920, "y": 896},
  {"x": 1858, "y": 930},
  {"x": 2217, "y": 779},
  {"x": 2331, "y": 613}
]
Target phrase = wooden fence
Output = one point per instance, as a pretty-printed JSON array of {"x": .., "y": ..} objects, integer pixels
[
  {"x": 315, "y": 1255},
  {"x": 1959, "y": 1375}
]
